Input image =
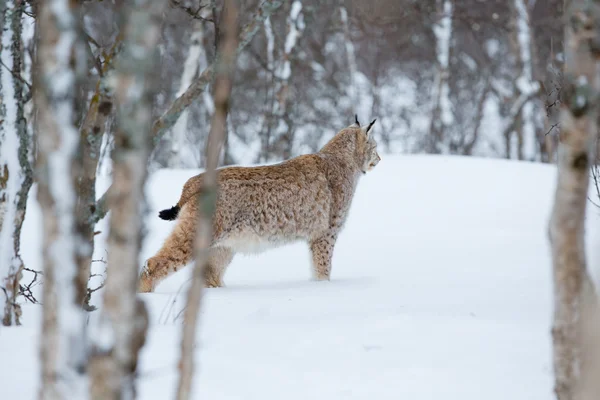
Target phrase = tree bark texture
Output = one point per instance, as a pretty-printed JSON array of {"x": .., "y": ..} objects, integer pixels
[
  {"x": 225, "y": 67},
  {"x": 575, "y": 333},
  {"x": 121, "y": 330},
  {"x": 190, "y": 68},
  {"x": 281, "y": 125},
  {"x": 529, "y": 121},
  {"x": 441, "y": 114},
  {"x": 61, "y": 64},
  {"x": 91, "y": 133},
  {"x": 16, "y": 176}
]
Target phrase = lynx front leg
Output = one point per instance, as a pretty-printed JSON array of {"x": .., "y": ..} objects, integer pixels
[
  {"x": 175, "y": 253},
  {"x": 322, "y": 252},
  {"x": 219, "y": 259}
]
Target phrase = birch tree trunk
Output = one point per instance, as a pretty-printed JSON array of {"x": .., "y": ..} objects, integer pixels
[
  {"x": 351, "y": 58},
  {"x": 575, "y": 333},
  {"x": 530, "y": 117},
  {"x": 441, "y": 114},
  {"x": 190, "y": 68},
  {"x": 15, "y": 170},
  {"x": 88, "y": 155},
  {"x": 283, "y": 129},
  {"x": 225, "y": 67},
  {"x": 121, "y": 330},
  {"x": 265, "y": 137},
  {"x": 61, "y": 59}
]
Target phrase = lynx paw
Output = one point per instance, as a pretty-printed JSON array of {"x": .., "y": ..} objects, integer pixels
[
  {"x": 213, "y": 284},
  {"x": 146, "y": 284},
  {"x": 321, "y": 278}
]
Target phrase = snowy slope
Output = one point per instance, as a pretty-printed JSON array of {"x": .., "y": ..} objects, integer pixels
[{"x": 440, "y": 289}]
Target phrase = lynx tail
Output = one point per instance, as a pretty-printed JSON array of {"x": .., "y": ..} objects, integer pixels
[{"x": 169, "y": 214}]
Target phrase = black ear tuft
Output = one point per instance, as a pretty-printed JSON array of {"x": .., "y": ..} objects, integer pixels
[
  {"x": 356, "y": 120},
  {"x": 371, "y": 125}
]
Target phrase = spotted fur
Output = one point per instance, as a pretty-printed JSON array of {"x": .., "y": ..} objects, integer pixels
[{"x": 306, "y": 198}]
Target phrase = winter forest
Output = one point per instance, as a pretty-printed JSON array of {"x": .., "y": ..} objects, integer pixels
[{"x": 300, "y": 199}]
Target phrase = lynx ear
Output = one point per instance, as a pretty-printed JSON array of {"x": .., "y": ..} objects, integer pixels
[
  {"x": 356, "y": 120},
  {"x": 370, "y": 126}
]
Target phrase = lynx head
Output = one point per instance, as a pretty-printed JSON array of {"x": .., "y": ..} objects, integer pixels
[
  {"x": 355, "y": 144},
  {"x": 366, "y": 147}
]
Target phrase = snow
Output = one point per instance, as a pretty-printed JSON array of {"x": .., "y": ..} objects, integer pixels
[{"x": 441, "y": 288}]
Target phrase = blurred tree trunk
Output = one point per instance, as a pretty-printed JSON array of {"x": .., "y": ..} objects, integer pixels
[
  {"x": 265, "y": 137},
  {"x": 62, "y": 62},
  {"x": 529, "y": 121},
  {"x": 225, "y": 67},
  {"x": 88, "y": 154},
  {"x": 190, "y": 68},
  {"x": 441, "y": 114},
  {"x": 351, "y": 59},
  {"x": 114, "y": 359},
  {"x": 16, "y": 175},
  {"x": 282, "y": 128},
  {"x": 575, "y": 333}
]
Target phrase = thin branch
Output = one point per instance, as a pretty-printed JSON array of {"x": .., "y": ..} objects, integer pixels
[
  {"x": 18, "y": 77},
  {"x": 25, "y": 290},
  {"x": 551, "y": 128},
  {"x": 516, "y": 110},
  {"x": 90, "y": 53},
  {"x": 195, "y": 14}
]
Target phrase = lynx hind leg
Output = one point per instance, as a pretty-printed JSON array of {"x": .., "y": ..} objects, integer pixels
[
  {"x": 322, "y": 253},
  {"x": 219, "y": 259},
  {"x": 175, "y": 253}
]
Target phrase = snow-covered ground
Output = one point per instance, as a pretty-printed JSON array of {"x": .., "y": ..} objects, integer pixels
[{"x": 441, "y": 288}]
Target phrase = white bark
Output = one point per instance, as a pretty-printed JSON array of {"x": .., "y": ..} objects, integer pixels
[
  {"x": 63, "y": 347},
  {"x": 441, "y": 114},
  {"x": 351, "y": 57},
  {"x": 270, "y": 45},
  {"x": 575, "y": 329},
  {"x": 121, "y": 329},
  {"x": 12, "y": 176},
  {"x": 196, "y": 58},
  {"x": 525, "y": 83},
  {"x": 282, "y": 75}
]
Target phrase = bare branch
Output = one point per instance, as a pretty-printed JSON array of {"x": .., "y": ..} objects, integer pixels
[
  {"x": 195, "y": 14},
  {"x": 516, "y": 110}
]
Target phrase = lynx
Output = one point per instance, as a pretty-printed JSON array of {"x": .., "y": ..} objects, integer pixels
[{"x": 306, "y": 198}]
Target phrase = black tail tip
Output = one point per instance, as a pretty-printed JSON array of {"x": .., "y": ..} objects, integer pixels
[{"x": 169, "y": 214}]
